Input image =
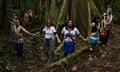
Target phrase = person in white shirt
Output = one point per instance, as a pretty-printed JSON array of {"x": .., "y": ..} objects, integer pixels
[
  {"x": 69, "y": 33},
  {"x": 49, "y": 41},
  {"x": 107, "y": 22}
]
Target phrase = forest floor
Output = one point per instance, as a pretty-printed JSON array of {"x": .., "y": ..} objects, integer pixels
[{"x": 106, "y": 59}]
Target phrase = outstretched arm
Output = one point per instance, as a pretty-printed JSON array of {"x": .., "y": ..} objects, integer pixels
[
  {"x": 26, "y": 31},
  {"x": 82, "y": 37}
]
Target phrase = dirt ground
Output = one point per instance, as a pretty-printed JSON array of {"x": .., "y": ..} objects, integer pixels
[{"x": 106, "y": 58}]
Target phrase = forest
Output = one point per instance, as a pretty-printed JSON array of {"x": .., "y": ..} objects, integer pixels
[{"x": 81, "y": 12}]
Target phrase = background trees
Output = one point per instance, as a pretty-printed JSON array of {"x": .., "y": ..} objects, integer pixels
[
  {"x": 58, "y": 10},
  {"x": 80, "y": 11}
]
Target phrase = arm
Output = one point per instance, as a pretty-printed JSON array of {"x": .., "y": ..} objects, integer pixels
[
  {"x": 58, "y": 39},
  {"x": 82, "y": 37},
  {"x": 12, "y": 27},
  {"x": 102, "y": 25},
  {"x": 78, "y": 33},
  {"x": 89, "y": 31},
  {"x": 56, "y": 35},
  {"x": 23, "y": 29}
]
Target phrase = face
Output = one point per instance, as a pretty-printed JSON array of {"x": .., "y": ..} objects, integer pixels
[
  {"x": 15, "y": 17},
  {"x": 17, "y": 22},
  {"x": 49, "y": 22},
  {"x": 109, "y": 10},
  {"x": 30, "y": 10},
  {"x": 70, "y": 23}
]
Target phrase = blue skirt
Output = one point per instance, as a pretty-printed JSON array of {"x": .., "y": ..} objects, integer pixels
[
  {"x": 94, "y": 41},
  {"x": 94, "y": 38},
  {"x": 69, "y": 47}
]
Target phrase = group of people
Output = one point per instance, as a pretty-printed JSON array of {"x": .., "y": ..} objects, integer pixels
[
  {"x": 68, "y": 32},
  {"x": 98, "y": 34},
  {"x": 100, "y": 29},
  {"x": 17, "y": 35},
  {"x": 28, "y": 16}
]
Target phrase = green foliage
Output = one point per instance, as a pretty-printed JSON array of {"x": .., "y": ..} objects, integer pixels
[
  {"x": 116, "y": 11},
  {"x": 117, "y": 2}
]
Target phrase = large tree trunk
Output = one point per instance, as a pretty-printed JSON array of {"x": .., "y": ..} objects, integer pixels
[
  {"x": 3, "y": 24},
  {"x": 79, "y": 14},
  {"x": 62, "y": 17}
]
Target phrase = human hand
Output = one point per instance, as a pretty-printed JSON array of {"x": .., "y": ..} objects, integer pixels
[
  {"x": 33, "y": 34},
  {"x": 85, "y": 40},
  {"x": 59, "y": 41}
]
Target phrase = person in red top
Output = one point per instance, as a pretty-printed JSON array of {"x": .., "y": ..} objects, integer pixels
[{"x": 30, "y": 14}]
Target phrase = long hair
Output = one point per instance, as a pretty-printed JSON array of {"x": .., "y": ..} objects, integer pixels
[
  {"x": 66, "y": 24},
  {"x": 95, "y": 19}
]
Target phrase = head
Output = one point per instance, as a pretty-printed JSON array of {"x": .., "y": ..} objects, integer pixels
[
  {"x": 70, "y": 23},
  {"x": 14, "y": 16},
  {"x": 17, "y": 22},
  {"x": 30, "y": 10},
  {"x": 109, "y": 10},
  {"x": 96, "y": 19},
  {"x": 49, "y": 22}
]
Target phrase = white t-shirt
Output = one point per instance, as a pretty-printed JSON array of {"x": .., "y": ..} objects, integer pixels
[
  {"x": 49, "y": 32},
  {"x": 72, "y": 34},
  {"x": 107, "y": 22}
]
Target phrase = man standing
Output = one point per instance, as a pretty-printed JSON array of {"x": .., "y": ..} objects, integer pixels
[{"x": 18, "y": 40}]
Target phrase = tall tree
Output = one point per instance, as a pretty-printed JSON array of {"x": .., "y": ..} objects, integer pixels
[{"x": 3, "y": 15}]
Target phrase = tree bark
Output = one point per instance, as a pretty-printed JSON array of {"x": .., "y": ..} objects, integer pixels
[
  {"x": 70, "y": 56},
  {"x": 61, "y": 14},
  {"x": 3, "y": 24}
]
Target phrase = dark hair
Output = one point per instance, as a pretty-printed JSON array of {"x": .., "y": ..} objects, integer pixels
[
  {"x": 102, "y": 17},
  {"x": 66, "y": 24},
  {"x": 20, "y": 21},
  {"x": 109, "y": 13},
  {"x": 95, "y": 19}
]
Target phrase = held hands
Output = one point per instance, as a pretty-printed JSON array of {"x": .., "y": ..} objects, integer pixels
[
  {"x": 58, "y": 40},
  {"x": 85, "y": 40},
  {"x": 35, "y": 34}
]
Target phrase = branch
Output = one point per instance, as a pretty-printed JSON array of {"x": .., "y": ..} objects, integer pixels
[
  {"x": 70, "y": 56},
  {"x": 59, "y": 47}
]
